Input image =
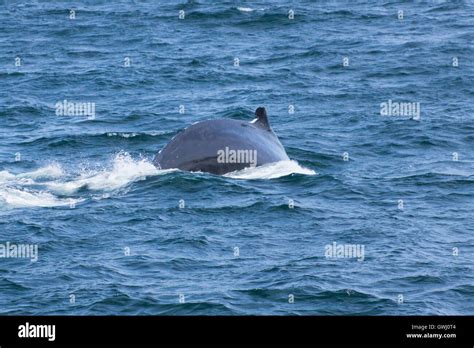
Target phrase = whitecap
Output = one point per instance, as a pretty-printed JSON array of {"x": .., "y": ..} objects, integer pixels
[{"x": 245, "y": 9}]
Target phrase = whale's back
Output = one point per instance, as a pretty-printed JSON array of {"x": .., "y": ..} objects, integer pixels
[{"x": 204, "y": 145}]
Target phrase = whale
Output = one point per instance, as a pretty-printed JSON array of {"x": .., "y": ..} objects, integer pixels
[{"x": 222, "y": 146}]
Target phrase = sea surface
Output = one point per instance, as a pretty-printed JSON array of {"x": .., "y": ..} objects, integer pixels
[{"x": 116, "y": 236}]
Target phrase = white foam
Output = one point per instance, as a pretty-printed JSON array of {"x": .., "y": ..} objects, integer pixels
[
  {"x": 6, "y": 176},
  {"x": 20, "y": 198},
  {"x": 124, "y": 171},
  {"x": 245, "y": 9},
  {"x": 122, "y": 135},
  {"x": 13, "y": 192},
  {"x": 48, "y": 172},
  {"x": 50, "y": 186},
  {"x": 271, "y": 171},
  {"x": 22, "y": 190},
  {"x": 133, "y": 134},
  {"x": 51, "y": 171}
]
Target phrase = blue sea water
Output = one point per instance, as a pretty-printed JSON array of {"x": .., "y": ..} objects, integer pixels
[{"x": 117, "y": 236}]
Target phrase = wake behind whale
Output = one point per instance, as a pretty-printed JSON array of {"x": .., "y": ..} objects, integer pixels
[{"x": 53, "y": 185}]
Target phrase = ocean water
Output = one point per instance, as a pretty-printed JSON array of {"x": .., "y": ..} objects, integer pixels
[{"x": 117, "y": 236}]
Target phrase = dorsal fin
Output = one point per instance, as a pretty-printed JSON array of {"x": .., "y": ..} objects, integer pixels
[{"x": 262, "y": 119}]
